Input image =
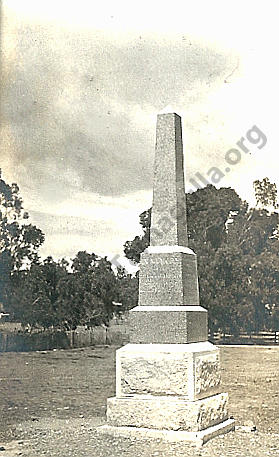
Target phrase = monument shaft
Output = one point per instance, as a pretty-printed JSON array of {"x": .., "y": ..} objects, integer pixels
[
  {"x": 168, "y": 310},
  {"x": 168, "y": 218}
]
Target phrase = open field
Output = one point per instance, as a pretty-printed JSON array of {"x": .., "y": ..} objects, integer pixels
[{"x": 51, "y": 402}]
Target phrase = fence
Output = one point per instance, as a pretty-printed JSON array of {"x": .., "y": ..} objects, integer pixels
[
  {"x": 116, "y": 334},
  {"x": 14, "y": 340},
  {"x": 262, "y": 338}
]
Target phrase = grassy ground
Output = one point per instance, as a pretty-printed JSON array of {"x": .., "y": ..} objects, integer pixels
[
  {"x": 58, "y": 384},
  {"x": 67, "y": 385}
]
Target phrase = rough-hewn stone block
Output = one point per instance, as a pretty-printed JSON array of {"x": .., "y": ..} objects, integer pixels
[
  {"x": 188, "y": 370},
  {"x": 169, "y": 413}
]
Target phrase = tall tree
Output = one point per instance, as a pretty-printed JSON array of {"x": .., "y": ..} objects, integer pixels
[{"x": 19, "y": 241}]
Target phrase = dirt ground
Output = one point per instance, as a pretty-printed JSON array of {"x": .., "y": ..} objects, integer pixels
[{"x": 52, "y": 401}]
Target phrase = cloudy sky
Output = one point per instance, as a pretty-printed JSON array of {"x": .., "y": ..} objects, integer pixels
[{"x": 82, "y": 83}]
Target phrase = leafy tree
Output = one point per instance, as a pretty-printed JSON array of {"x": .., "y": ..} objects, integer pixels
[
  {"x": 244, "y": 276},
  {"x": 133, "y": 249},
  {"x": 19, "y": 241},
  {"x": 86, "y": 295},
  {"x": 35, "y": 293},
  {"x": 266, "y": 194},
  {"x": 267, "y": 271},
  {"x": 209, "y": 210}
]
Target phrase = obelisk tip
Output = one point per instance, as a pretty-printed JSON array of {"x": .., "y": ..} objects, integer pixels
[{"x": 168, "y": 110}]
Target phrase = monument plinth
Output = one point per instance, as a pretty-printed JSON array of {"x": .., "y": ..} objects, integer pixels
[{"x": 168, "y": 377}]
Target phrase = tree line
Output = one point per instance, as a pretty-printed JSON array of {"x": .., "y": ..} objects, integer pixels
[
  {"x": 47, "y": 293},
  {"x": 238, "y": 264}
]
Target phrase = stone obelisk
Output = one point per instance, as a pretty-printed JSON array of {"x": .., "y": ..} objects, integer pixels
[{"x": 168, "y": 377}]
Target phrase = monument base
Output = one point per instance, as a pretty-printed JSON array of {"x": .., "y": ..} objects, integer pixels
[
  {"x": 197, "y": 438},
  {"x": 170, "y": 391},
  {"x": 167, "y": 413}
]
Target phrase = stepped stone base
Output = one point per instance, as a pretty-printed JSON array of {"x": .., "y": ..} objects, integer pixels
[
  {"x": 197, "y": 438},
  {"x": 168, "y": 391}
]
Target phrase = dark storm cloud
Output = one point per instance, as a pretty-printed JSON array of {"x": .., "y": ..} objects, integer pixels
[{"x": 68, "y": 100}]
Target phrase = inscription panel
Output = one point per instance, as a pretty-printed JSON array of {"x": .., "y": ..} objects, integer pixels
[
  {"x": 168, "y": 279},
  {"x": 207, "y": 373}
]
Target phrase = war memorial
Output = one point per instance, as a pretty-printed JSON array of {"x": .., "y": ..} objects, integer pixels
[{"x": 168, "y": 378}]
